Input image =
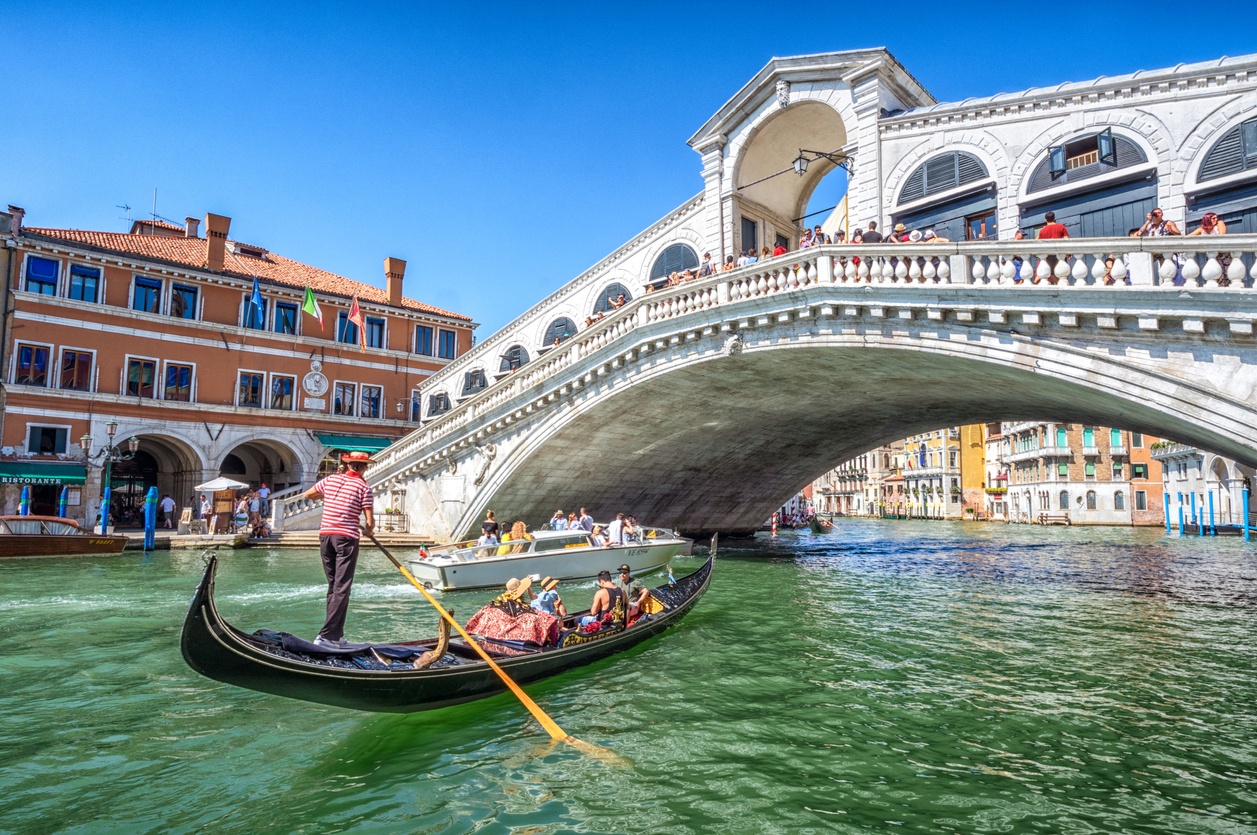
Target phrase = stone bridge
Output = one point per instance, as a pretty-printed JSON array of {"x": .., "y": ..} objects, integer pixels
[{"x": 705, "y": 405}]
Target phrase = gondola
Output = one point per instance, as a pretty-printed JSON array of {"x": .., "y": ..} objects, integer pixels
[{"x": 383, "y": 677}]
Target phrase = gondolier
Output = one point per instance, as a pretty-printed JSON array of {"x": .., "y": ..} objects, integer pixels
[{"x": 345, "y": 496}]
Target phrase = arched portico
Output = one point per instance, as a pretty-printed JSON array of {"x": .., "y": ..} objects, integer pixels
[{"x": 262, "y": 460}]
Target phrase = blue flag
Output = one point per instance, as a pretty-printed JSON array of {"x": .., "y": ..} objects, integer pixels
[{"x": 256, "y": 301}]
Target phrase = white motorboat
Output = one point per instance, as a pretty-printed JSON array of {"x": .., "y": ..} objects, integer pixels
[{"x": 563, "y": 555}]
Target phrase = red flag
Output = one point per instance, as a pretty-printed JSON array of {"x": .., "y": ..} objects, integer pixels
[{"x": 355, "y": 316}]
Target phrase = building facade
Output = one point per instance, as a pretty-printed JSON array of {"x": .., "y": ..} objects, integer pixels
[
  {"x": 1081, "y": 475},
  {"x": 1202, "y": 488},
  {"x": 160, "y": 332}
]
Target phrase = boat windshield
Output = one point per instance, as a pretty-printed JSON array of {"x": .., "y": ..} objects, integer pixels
[
  {"x": 26, "y": 526},
  {"x": 558, "y": 543},
  {"x": 4, "y": 527},
  {"x": 61, "y": 528}
]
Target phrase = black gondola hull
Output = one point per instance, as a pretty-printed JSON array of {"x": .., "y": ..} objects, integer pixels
[{"x": 216, "y": 649}]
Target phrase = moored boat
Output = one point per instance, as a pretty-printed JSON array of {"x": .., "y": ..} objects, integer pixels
[
  {"x": 563, "y": 555},
  {"x": 384, "y": 677},
  {"x": 49, "y": 536}
]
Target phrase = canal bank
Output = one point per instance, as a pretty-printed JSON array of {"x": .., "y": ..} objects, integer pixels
[{"x": 941, "y": 678}]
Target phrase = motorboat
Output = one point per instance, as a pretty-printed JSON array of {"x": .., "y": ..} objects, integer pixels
[
  {"x": 49, "y": 536},
  {"x": 563, "y": 555},
  {"x": 407, "y": 676}
]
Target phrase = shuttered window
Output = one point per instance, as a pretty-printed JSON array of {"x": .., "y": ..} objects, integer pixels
[
  {"x": 941, "y": 173},
  {"x": 1078, "y": 163},
  {"x": 674, "y": 259},
  {"x": 1236, "y": 151}
]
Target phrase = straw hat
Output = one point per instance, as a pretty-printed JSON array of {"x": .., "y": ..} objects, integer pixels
[
  {"x": 915, "y": 236},
  {"x": 899, "y": 227},
  {"x": 548, "y": 584},
  {"x": 356, "y": 457},
  {"x": 516, "y": 588}
]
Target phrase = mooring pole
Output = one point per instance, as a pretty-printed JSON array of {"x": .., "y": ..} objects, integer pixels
[{"x": 1213, "y": 530}]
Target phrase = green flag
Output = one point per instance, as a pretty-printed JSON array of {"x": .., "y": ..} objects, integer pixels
[{"x": 311, "y": 306}]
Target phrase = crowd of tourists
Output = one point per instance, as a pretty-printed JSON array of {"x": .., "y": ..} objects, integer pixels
[{"x": 623, "y": 529}]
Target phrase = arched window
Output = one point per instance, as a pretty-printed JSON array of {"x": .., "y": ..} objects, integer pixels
[
  {"x": 474, "y": 381},
  {"x": 609, "y": 295},
  {"x": 942, "y": 173},
  {"x": 1084, "y": 157},
  {"x": 1064, "y": 500},
  {"x": 561, "y": 329},
  {"x": 674, "y": 259},
  {"x": 232, "y": 465},
  {"x": 1236, "y": 151},
  {"x": 513, "y": 359},
  {"x": 1119, "y": 500},
  {"x": 438, "y": 404},
  {"x": 1091, "y": 500}
]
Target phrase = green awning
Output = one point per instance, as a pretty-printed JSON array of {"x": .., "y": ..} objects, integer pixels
[
  {"x": 40, "y": 472},
  {"x": 353, "y": 443}
]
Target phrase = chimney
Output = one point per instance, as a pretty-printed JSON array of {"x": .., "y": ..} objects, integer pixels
[
  {"x": 394, "y": 271},
  {"x": 191, "y": 227},
  {"x": 18, "y": 214},
  {"x": 216, "y": 228}
]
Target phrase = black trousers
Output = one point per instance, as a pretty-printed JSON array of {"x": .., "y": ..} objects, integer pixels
[{"x": 340, "y": 558}]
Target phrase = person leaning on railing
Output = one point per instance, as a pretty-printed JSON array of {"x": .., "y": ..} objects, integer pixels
[{"x": 1211, "y": 224}]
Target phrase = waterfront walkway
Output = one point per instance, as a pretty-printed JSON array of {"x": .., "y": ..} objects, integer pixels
[{"x": 166, "y": 540}]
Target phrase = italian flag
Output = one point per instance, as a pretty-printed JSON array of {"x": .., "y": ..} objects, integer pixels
[{"x": 311, "y": 306}]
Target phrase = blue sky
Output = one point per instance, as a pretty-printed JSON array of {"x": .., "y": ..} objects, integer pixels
[{"x": 499, "y": 148}]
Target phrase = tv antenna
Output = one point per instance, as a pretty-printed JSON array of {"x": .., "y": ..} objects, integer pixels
[{"x": 126, "y": 209}]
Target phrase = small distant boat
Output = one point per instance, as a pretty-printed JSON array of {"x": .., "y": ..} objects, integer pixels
[
  {"x": 563, "y": 555},
  {"x": 50, "y": 536},
  {"x": 820, "y": 525}
]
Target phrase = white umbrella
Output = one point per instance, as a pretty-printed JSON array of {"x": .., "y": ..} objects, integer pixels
[{"x": 221, "y": 483}]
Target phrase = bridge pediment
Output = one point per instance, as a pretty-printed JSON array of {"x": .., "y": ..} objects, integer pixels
[{"x": 847, "y": 66}]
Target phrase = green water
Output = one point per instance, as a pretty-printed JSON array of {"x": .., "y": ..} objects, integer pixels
[{"x": 913, "y": 677}]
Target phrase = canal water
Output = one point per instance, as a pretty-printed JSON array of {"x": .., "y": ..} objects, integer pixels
[{"x": 902, "y": 676}]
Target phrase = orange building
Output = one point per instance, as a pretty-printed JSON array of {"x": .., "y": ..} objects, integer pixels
[{"x": 156, "y": 331}]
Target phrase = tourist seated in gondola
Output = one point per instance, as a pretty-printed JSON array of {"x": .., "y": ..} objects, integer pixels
[
  {"x": 608, "y": 608},
  {"x": 634, "y": 592},
  {"x": 548, "y": 600},
  {"x": 510, "y": 617}
]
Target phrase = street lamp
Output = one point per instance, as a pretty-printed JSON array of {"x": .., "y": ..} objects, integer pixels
[
  {"x": 840, "y": 159},
  {"x": 105, "y": 457}
]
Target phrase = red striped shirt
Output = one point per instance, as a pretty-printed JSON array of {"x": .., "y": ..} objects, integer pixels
[{"x": 344, "y": 499}]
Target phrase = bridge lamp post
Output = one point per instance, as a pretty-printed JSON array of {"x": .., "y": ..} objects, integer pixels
[
  {"x": 842, "y": 160},
  {"x": 105, "y": 457}
]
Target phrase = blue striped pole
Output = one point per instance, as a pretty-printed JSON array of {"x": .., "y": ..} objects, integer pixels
[
  {"x": 1193, "y": 498},
  {"x": 1181, "y": 531},
  {"x": 24, "y": 503},
  {"x": 1165, "y": 510},
  {"x": 1244, "y": 513},
  {"x": 150, "y": 519},
  {"x": 1213, "y": 530},
  {"x": 65, "y": 499}
]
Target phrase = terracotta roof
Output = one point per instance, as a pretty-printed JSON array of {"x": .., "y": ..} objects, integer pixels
[{"x": 272, "y": 268}]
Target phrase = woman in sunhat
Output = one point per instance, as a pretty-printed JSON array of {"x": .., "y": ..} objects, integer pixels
[
  {"x": 346, "y": 497},
  {"x": 548, "y": 600}
]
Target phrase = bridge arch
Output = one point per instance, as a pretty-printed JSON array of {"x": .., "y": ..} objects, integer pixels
[{"x": 642, "y": 445}]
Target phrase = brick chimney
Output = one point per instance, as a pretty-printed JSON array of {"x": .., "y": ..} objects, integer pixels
[
  {"x": 191, "y": 227},
  {"x": 394, "y": 271},
  {"x": 19, "y": 213},
  {"x": 216, "y": 228}
]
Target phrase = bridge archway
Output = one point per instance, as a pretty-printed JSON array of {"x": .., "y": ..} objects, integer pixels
[{"x": 764, "y": 194}]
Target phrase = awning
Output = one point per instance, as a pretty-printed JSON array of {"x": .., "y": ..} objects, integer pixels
[
  {"x": 353, "y": 443},
  {"x": 40, "y": 472}
]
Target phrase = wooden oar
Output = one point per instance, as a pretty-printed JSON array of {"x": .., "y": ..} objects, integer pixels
[{"x": 540, "y": 715}]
